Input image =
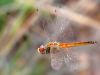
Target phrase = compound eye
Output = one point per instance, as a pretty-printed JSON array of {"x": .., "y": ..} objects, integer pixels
[{"x": 41, "y": 49}]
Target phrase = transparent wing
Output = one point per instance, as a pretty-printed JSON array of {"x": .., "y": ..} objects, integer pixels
[
  {"x": 62, "y": 30},
  {"x": 71, "y": 57},
  {"x": 56, "y": 27},
  {"x": 71, "y": 60},
  {"x": 56, "y": 59}
]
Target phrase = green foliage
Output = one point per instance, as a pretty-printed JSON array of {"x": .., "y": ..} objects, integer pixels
[
  {"x": 2, "y": 22},
  {"x": 40, "y": 67},
  {"x": 5, "y": 2}
]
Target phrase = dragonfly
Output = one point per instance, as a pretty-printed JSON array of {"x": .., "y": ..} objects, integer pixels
[
  {"x": 59, "y": 51},
  {"x": 56, "y": 50}
]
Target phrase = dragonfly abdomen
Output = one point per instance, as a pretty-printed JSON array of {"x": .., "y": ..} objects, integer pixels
[{"x": 74, "y": 44}]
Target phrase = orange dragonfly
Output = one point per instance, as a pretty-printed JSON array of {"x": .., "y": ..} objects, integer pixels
[
  {"x": 59, "y": 51},
  {"x": 56, "y": 46},
  {"x": 57, "y": 55}
]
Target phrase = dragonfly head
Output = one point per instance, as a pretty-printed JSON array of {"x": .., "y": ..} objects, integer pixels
[{"x": 42, "y": 49}]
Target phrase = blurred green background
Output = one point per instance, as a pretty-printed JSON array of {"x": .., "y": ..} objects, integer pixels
[{"x": 27, "y": 24}]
